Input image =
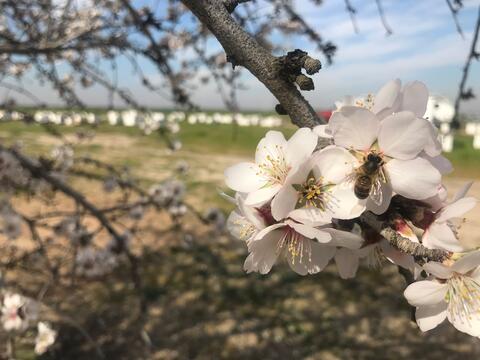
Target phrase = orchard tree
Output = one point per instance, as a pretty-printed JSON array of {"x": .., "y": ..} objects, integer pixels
[{"x": 366, "y": 186}]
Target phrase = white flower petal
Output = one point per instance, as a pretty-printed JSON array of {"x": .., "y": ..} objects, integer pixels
[
  {"x": 300, "y": 146},
  {"x": 467, "y": 262},
  {"x": 359, "y": 129},
  {"x": 470, "y": 325},
  {"x": 347, "y": 263},
  {"x": 311, "y": 215},
  {"x": 264, "y": 232},
  {"x": 428, "y": 317},
  {"x": 262, "y": 195},
  {"x": 236, "y": 224},
  {"x": 441, "y": 236},
  {"x": 250, "y": 213},
  {"x": 397, "y": 257},
  {"x": 263, "y": 254},
  {"x": 463, "y": 191},
  {"x": 286, "y": 199},
  {"x": 344, "y": 239},
  {"x": 438, "y": 270},
  {"x": 402, "y": 135},
  {"x": 334, "y": 164},
  {"x": 313, "y": 260},
  {"x": 434, "y": 146},
  {"x": 310, "y": 232},
  {"x": 387, "y": 194},
  {"x": 273, "y": 145},
  {"x": 457, "y": 209},
  {"x": 243, "y": 177},
  {"x": 425, "y": 292},
  {"x": 441, "y": 163},
  {"x": 344, "y": 203},
  {"x": 413, "y": 179},
  {"x": 387, "y": 96},
  {"x": 415, "y": 98},
  {"x": 323, "y": 131}
]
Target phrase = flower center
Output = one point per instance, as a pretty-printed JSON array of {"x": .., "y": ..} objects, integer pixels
[
  {"x": 275, "y": 167},
  {"x": 312, "y": 193},
  {"x": 366, "y": 103},
  {"x": 295, "y": 245},
  {"x": 246, "y": 229},
  {"x": 463, "y": 297}
]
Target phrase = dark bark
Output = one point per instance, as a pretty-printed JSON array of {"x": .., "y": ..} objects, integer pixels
[{"x": 263, "y": 65}]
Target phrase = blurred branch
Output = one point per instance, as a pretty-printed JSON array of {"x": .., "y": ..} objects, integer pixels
[
  {"x": 352, "y": 12},
  {"x": 381, "y": 12},
  {"x": 463, "y": 93},
  {"x": 454, "y": 12}
]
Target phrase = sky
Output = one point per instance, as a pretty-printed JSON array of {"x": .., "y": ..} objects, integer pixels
[{"x": 424, "y": 46}]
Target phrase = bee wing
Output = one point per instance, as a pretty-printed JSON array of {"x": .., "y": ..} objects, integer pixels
[{"x": 376, "y": 193}]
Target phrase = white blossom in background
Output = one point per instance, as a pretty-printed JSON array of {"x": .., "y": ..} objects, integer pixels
[
  {"x": 11, "y": 224},
  {"x": 451, "y": 292},
  {"x": 137, "y": 212},
  {"x": 91, "y": 262},
  {"x": 110, "y": 184},
  {"x": 18, "y": 312},
  {"x": 45, "y": 337},
  {"x": 63, "y": 156},
  {"x": 215, "y": 217},
  {"x": 170, "y": 191}
]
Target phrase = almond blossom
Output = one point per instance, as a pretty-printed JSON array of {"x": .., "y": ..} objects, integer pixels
[
  {"x": 391, "y": 99},
  {"x": 451, "y": 292},
  {"x": 276, "y": 159},
  {"x": 18, "y": 312},
  {"x": 245, "y": 221},
  {"x": 317, "y": 191},
  {"x": 45, "y": 338},
  {"x": 440, "y": 231},
  {"x": 307, "y": 249},
  {"x": 396, "y": 141}
]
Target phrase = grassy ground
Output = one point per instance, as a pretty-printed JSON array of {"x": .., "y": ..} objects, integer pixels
[
  {"x": 201, "y": 303},
  {"x": 222, "y": 139}
]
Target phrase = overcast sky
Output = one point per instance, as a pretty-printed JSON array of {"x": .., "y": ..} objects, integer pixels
[{"x": 424, "y": 46}]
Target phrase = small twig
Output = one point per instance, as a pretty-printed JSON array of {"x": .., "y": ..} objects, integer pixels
[
  {"x": 454, "y": 12},
  {"x": 230, "y": 5},
  {"x": 381, "y": 12},
  {"x": 352, "y": 12},
  {"x": 473, "y": 54}
]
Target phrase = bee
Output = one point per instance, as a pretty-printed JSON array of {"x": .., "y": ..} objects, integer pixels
[{"x": 368, "y": 178}]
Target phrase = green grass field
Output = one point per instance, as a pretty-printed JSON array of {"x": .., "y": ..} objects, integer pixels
[{"x": 219, "y": 139}]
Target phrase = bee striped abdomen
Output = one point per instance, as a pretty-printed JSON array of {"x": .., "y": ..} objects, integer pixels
[{"x": 363, "y": 185}]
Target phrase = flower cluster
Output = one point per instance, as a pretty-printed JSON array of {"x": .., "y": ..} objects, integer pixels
[
  {"x": 19, "y": 313},
  {"x": 308, "y": 203}
]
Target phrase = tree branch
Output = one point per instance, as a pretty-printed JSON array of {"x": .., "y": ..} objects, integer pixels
[
  {"x": 40, "y": 172},
  {"x": 254, "y": 57},
  {"x": 401, "y": 243}
]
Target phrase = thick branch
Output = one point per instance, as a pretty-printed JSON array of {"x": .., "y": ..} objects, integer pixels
[
  {"x": 242, "y": 49},
  {"x": 401, "y": 243}
]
